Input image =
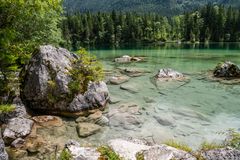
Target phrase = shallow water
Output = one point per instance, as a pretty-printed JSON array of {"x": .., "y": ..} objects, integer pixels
[{"x": 199, "y": 109}]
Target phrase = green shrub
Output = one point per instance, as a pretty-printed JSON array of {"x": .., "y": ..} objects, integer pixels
[
  {"x": 5, "y": 108},
  {"x": 86, "y": 69},
  {"x": 65, "y": 155},
  {"x": 178, "y": 145},
  {"x": 108, "y": 154}
]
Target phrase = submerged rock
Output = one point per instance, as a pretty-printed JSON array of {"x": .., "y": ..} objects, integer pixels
[
  {"x": 116, "y": 80},
  {"x": 125, "y": 116},
  {"x": 45, "y": 85},
  {"x": 17, "y": 128},
  {"x": 227, "y": 70},
  {"x": 81, "y": 153},
  {"x": 169, "y": 74},
  {"x": 87, "y": 129},
  {"x": 221, "y": 154},
  {"x": 133, "y": 72}
]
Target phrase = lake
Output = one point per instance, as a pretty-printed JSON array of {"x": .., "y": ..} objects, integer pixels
[
  {"x": 190, "y": 113},
  {"x": 198, "y": 110}
]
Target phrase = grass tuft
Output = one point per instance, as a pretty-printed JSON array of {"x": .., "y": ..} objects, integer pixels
[
  {"x": 178, "y": 145},
  {"x": 108, "y": 154}
]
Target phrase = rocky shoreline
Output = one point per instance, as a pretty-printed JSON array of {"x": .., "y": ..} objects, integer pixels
[{"x": 45, "y": 92}]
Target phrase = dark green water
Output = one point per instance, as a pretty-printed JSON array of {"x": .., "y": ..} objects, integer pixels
[{"x": 198, "y": 109}]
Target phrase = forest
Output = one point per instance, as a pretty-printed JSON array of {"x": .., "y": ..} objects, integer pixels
[{"x": 209, "y": 24}]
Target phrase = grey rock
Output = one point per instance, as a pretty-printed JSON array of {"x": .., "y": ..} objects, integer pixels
[
  {"x": 19, "y": 111},
  {"x": 81, "y": 153},
  {"x": 221, "y": 154},
  {"x": 47, "y": 77},
  {"x": 116, "y": 80},
  {"x": 126, "y": 116},
  {"x": 127, "y": 59},
  {"x": 17, "y": 128},
  {"x": 127, "y": 149},
  {"x": 3, "y": 153},
  {"x": 133, "y": 72},
  {"x": 123, "y": 59},
  {"x": 96, "y": 96},
  {"x": 103, "y": 121},
  {"x": 129, "y": 88},
  {"x": 227, "y": 70},
  {"x": 169, "y": 74},
  {"x": 164, "y": 152},
  {"x": 17, "y": 143}
]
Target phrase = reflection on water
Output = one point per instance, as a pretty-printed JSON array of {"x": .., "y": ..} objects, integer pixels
[{"x": 196, "y": 111}]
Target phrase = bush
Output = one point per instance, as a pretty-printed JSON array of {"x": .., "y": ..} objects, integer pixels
[
  {"x": 86, "y": 69},
  {"x": 6, "y": 108}
]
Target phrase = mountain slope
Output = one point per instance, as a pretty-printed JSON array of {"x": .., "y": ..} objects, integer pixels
[{"x": 165, "y": 7}]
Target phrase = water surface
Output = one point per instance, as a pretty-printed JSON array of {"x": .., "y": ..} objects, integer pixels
[{"x": 199, "y": 109}]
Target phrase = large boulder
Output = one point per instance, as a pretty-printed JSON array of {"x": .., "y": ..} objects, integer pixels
[
  {"x": 227, "y": 70},
  {"x": 45, "y": 84}
]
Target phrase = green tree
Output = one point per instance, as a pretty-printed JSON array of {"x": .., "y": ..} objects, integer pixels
[{"x": 25, "y": 24}]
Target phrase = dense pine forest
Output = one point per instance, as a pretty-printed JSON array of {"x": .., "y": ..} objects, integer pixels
[
  {"x": 163, "y": 7},
  {"x": 209, "y": 24}
]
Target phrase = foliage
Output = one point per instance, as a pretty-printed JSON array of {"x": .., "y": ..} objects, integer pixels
[
  {"x": 166, "y": 7},
  {"x": 85, "y": 70},
  {"x": 139, "y": 156},
  {"x": 108, "y": 154},
  {"x": 233, "y": 139},
  {"x": 210, "y": 23},
  {"x": 6, "y": 108},
  {"x": 178, "y": 145},
  {"x": 65, "y": 155},
  {"x": 25, "y": 24},
  {"x": 206, "y": 146}
]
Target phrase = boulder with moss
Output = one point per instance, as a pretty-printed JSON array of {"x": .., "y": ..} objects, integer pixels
[{"x": 51, "y": 82}]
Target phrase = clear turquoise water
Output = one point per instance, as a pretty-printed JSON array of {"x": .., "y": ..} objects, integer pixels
[{"x": 199, "y": 109}]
